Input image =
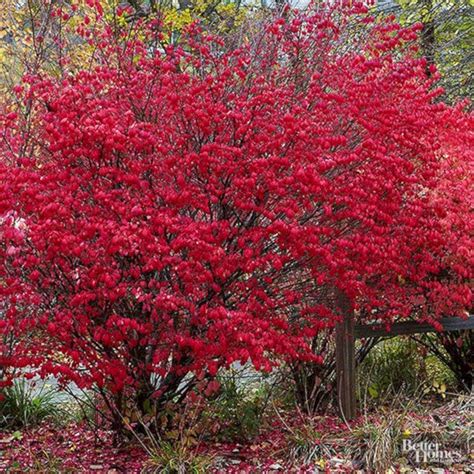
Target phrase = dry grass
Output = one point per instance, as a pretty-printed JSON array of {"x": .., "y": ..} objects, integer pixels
[{"x": 375, "y": 442}]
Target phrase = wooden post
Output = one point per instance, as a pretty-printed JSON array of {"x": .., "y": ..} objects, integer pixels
[{"x": 345, "y": 358}]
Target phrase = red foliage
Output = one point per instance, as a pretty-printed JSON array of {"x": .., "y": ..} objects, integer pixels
[
  {"x": 174, "y": 211},
  {"x": 73, "y": 448}
]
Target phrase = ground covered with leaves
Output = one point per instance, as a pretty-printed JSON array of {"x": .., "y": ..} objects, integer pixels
[{"x": 288, "y": 442}]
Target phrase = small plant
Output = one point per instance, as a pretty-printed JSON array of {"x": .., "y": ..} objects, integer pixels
[
  {"x": 237, "y": 412},
  {"x": 381, "y": 441},
  {"x": 392, "y": 365},
  {"x": 23, "y": 405},
  {"x": 174, "y": 448},
  {"x": 377, "y": 439},
  {"x": 401, "y": 365},
  {"x": 307, "y": 446},
  {"x": 177, "y": 457}
]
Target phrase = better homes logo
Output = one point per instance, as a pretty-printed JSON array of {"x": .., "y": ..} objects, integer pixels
[{"x": 427, "y": 452}]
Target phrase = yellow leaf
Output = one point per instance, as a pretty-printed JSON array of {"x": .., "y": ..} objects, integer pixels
[{"x": 321, "y": 463}]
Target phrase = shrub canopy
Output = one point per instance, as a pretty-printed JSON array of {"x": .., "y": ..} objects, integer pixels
[{"x": 178, "y": 209}]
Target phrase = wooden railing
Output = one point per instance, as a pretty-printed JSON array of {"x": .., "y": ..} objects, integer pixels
[{"x": 346, "y": 334}]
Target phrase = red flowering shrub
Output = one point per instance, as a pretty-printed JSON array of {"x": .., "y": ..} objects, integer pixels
[{"x": 175, "y": 211}]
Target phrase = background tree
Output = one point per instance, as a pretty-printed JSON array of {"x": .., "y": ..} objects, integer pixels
[{"x": 446, "y": 38}]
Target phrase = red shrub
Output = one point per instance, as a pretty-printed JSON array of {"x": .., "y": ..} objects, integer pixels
[{"x": 173, "y": 212}]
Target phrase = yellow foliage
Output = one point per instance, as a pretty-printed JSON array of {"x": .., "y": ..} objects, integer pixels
[
  {"x": 30, "y": 34},
  {"x": 220, "y": 15},
  {"x": 178, "y": 19}
]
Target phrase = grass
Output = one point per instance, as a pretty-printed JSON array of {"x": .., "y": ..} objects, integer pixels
[
  {"x": 177, "y": 458},
  {"x": 24, "y": 406}
]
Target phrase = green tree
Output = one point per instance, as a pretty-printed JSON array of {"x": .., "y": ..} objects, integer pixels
[{"x": 446, "y": 39}]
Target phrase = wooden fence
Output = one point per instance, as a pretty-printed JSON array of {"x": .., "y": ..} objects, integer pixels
[{"x": 346, "y": 334}]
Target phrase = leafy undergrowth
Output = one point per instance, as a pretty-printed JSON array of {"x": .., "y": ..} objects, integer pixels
[{"x": 292, "y": 443}]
